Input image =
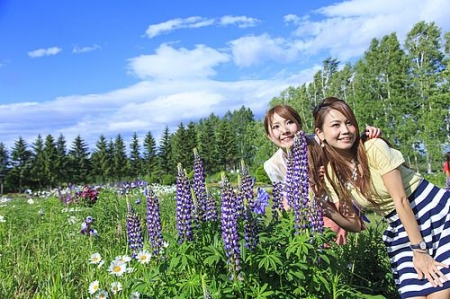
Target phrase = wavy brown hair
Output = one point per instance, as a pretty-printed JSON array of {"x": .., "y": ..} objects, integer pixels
[{"x": 332, "y": 158}]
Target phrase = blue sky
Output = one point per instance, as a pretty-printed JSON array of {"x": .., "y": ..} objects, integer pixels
[{"x": 107, "y": 67}]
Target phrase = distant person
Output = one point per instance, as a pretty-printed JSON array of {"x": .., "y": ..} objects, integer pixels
[{"x": 446, "y": 170}]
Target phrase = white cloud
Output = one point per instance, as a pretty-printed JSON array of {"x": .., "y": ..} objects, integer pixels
[
  {"x": 147, "y": 106},
  {"x": 168, "y": 26},
  {"x": 171, "y": 63},
  {"x": 78, "y": 50},
  {"x": 291, "y": 18},
  {"x": 254, "y": 50},
  {"x": 44, "y": 52},
  {"x": 349, "y": 26},
  {"x": 198, "y": 22},
  {"x": 241, "y": 21}
]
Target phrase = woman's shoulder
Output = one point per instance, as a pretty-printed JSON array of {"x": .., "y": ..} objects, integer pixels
[
  {"x": 275, "y": 166},
  {"x": 377, "y": 142}
]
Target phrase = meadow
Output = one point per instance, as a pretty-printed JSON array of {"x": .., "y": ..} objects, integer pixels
[{"x": 43, "y": 254}]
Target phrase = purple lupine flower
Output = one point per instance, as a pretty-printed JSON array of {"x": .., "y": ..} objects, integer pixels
[
  {"x": 261, "y": 202},
  {"x": 89, "y": 220},
  {"x": 297, "y": 180},
  {"x": 154, "y": 222},
  {"x": 246, "y": 185},
  {"x": 316, "y": 217},
  {"x": 211, "y": 208},
  {"x": 86, "y": 227},
  {"x": 134, "y": 232},
  {"x": 184, "y": 207},
  {"x": 60, "y": 196},
  {"x": 229, "y": 224},
  {"x": 277, "y": 199},
  {"x": 200, "y": 186},
  {"x": 251, "y": 238}
]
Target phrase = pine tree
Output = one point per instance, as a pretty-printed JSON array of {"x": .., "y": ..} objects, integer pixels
[
  {"x": 79, "y": 161},
  {"x": 135, "y": 160}
]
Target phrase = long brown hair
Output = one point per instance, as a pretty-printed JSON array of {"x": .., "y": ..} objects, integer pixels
[{"x": 332, "y": 158}]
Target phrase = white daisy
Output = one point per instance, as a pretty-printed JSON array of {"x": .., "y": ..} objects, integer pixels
[
  {"x": 116, "y": 287},
  {"x": 95, "y": 258},
  {"x": 93, "y": 287},
  {"x": 102, "y": 295},
  {"x": 30, "y": 201},
  {"x": 135, "y": 295},
  {"x": 143, "y": 257},
  {"x": 117, "y": 268},
  {"x": 122, "y": 259},
  {"x": 2, "y": 218}
]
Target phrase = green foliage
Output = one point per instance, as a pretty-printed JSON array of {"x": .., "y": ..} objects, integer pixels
[
  {"x": 365, "y": 263},
  {"x": 168, "y": 179},
  {"x": 283, "y": 265},
  {"x": 261, "y": 175}
]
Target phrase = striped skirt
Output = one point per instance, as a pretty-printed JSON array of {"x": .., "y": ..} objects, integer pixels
[{"x": 431, "y": 206}]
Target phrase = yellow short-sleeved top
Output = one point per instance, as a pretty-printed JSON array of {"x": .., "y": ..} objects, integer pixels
[{"x": 382, "y": 159}]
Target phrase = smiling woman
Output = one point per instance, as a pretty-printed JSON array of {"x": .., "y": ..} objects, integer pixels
[{"x": 417, "y": 238}]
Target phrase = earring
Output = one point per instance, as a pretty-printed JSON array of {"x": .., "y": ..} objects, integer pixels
[{"x": 322, "y": 143}]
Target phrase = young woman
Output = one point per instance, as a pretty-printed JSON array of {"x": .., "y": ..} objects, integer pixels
[
  {"x": 374, "y": 175},
  {"x": 281, "y": 123}
]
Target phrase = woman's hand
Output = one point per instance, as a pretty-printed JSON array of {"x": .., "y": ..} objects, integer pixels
[
  {"x": 372, "y": 132},
  {"x": 350, "y": 222},
  {"x": 428, "y": 268}
]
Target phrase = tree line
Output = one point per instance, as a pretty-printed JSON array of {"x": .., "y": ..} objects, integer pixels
[{"x": 403, "y": 89}]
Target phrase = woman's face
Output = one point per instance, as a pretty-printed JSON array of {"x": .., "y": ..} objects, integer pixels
[
  {"x": 282, "y": 131},
  {"x": 337, "y": 130}
]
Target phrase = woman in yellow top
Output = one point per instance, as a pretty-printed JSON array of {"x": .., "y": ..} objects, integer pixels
[{"x": 374, "y": 175}]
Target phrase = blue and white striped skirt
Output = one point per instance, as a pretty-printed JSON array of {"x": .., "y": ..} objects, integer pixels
[{"x": 431, "y": 206}]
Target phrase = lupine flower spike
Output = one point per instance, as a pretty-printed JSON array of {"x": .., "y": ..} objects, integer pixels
[
  {"x": 184, "y": 207},
  {"x": 211, "y": 208},
  {"x": 135, "y": 237},
  {"x": 154, "y": 222},
  {"x": 245, "y": 199},
  {"x": 200, "y": 186},
  {"x": 229, "y": 223},
  {"x": 277, "y": 200}
]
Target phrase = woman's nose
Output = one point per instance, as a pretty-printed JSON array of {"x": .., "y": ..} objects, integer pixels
[
  {"x": 344, "y": 128},
  {"x": 284, "y": 129}
]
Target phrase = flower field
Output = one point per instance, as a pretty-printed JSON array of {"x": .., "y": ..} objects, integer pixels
[
  {"x": 43, "y": 254},
  {"x": 135, "y": 240}
]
